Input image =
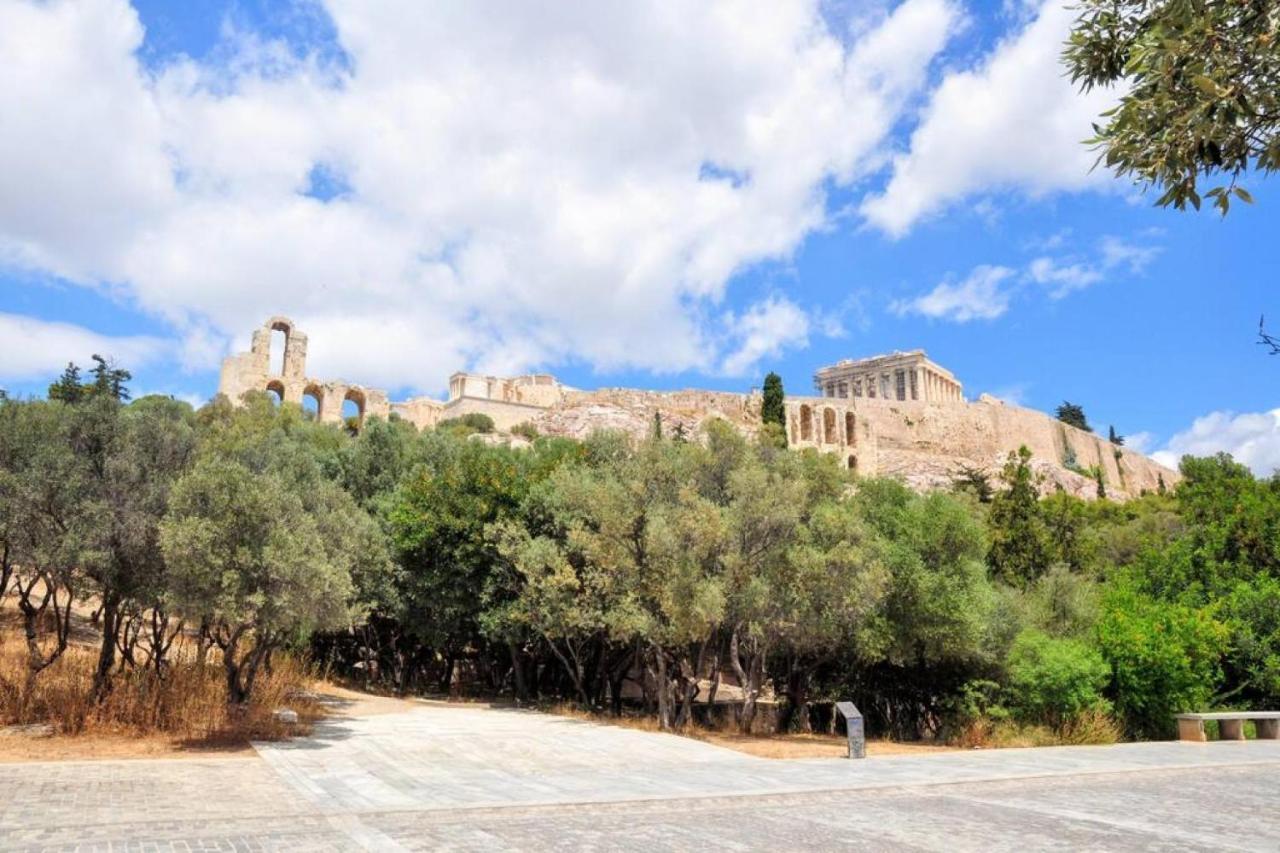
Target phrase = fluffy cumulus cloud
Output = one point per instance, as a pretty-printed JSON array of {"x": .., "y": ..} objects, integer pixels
[
  {"x": 493, "y": 188},
  {"x": 981, "y": 295},
  {"x": 1252, "y": 438},
  {"x": 764, "y": 330},
  {"x": 1013, "y": 122},
  {"x": 35, "y": 349}
]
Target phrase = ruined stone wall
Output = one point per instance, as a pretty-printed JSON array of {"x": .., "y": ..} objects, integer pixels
[{"x": 252, "y": 371}]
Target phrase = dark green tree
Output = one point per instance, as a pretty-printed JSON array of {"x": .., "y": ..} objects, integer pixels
[
  {"x": 68, "y": 388},
  {"x": 109, "y": 380},
  {"x": 1202, "y": 91},
  {"x": 974, "y": 480},
  {"x": 657, "y": 424},
  {"x": 1021, "y": 550},
  {"x": 1072, "y": 414},
  {"x": 1114, "y": 437},
  {"x": 772, "y": 408}
]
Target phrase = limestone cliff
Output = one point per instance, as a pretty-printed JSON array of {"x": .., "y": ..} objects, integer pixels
[{"x": 925, "y": 444}]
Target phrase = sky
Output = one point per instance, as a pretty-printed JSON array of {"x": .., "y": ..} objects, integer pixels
[{"x": 650, "y": 193}]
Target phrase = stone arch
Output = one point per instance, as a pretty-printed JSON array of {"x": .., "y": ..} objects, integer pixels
[
  {"x": 806, "y": 423},
  {"x": 829, "y": 435},
  {"x": 849, "y": 424},
  {"x": 357, "y": 396},
  {"x": 284, "y": 327},
  {"x": 315, "y": 392},
  {"x": 275, "y": 386}
]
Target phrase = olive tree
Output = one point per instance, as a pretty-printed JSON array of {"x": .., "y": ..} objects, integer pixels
[
  {"x": 247, "y": 554},
  {"x": 1201, "y": 91}
]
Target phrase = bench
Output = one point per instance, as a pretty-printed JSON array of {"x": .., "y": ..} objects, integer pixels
[{"x": 1230, "y": 725}]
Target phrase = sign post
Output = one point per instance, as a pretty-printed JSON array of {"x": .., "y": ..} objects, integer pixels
[{"x": 853, "y": 724}]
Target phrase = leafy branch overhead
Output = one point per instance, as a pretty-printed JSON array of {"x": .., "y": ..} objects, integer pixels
[{"x": 1201, "y": 84}]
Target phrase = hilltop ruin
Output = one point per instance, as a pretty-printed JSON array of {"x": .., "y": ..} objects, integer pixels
[{"x": 899, "y": 415}]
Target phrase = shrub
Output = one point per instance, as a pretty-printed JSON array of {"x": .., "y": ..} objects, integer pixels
[
  {"x": 525, "y": 430},
  {"x": 470, "y": 423},
  {"x": 1164, "y": 659},
  {"x": 1055, "y": 680}
]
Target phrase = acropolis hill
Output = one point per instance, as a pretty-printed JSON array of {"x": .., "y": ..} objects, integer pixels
[{"x": 898, "y": 415}]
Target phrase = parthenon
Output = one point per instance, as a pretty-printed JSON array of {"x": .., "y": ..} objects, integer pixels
[{"x": 897, "y": 376}]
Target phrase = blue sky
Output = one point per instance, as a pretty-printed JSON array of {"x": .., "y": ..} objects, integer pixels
[{"x": 621, "y": 196}]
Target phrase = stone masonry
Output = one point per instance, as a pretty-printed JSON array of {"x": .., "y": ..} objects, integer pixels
[{"x": 899, "y": 415}]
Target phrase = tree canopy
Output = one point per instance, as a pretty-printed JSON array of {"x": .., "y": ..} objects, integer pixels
[{"x": 1200, "y": 92}]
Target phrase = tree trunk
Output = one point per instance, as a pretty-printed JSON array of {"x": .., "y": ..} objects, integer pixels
[
  {"x": 798, "y": 697},
  {"x": 664, "y": 690},
  {"x": 107, "y": 649},
  {"x": 517, "y": 673},
  {"x": 749, "y": 675}
]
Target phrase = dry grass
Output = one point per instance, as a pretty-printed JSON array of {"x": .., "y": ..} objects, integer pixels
[
  {"x": 186, "y": 711},
  {"x": 1091, "y": 728}
]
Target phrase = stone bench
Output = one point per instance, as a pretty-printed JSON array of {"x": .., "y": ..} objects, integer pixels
[{"x": 1230, "y": 725}]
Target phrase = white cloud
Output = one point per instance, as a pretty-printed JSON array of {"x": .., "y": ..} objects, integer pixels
[
  {"x": 37, "y": 349},
  {"x": 1066, "y": 275},
  {"x": 1140, "y": 442},
  {"x": 764, "y": 330},
  {"x": 1062, "y": 278},
  {"x": 1014, "y": 395},
  {"x": 1252, "y": 439},
  {"x": 1118, "y": 252},
  {"x": 1014, "y": 122},
  {"x": 526, "y": 184},
  {"x": 980, "y": 296}
]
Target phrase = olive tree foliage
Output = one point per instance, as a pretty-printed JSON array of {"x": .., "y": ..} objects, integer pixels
[
  {"x": 686, "y": 558},
  {"x": 145, "y": 447},
  {"x": 262, "y": 545},
  {"x": 624, "y": 570},
  {"x": 46, "y": 528},
  {"x": 1201, "y": 91}
]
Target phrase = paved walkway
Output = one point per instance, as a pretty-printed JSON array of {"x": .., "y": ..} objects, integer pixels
[{"x": 469, "y": 778}]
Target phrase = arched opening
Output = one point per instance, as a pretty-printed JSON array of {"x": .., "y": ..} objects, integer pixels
[
  {"x": 848, "y": 428},
  {"x": 313, "y": 401},
  {"x": 276, "y": 387},
  {"x": 853, "y": 463},
  {"x": 353, "y": 410},
  {"x": 279, "y": 343},
  {"x": 829, "y": 435},
  {"x": 806, "y": 423}
]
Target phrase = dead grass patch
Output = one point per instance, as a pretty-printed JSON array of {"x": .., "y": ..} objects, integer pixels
[{"x": 144, "y": 715}]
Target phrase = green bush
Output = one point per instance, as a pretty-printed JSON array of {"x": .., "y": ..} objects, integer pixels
[
  {"x": 525, "y": 430},
  {"x": 1055, "y": 680},
  {"x": 471, "y": 423},
  {"x": 1164, "y": 658}
]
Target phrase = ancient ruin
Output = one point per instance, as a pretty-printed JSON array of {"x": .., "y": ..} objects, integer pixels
[
  {"x": 897, "y": 376},
  {"x": 899, "y": 415}
]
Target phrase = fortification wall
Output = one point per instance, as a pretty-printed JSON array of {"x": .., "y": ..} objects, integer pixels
[{"x": 926, "y": 443}]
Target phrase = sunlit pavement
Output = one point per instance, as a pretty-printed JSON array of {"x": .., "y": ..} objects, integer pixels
[{"x": 472, "y": 778}]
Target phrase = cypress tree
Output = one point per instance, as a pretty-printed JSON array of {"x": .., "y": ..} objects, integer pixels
[{"x": 772, "y": 410}]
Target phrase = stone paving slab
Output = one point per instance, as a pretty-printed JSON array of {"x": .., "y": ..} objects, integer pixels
[
  {"x": 468, "y": 778},
  {"x": 447, "y": 757}
]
